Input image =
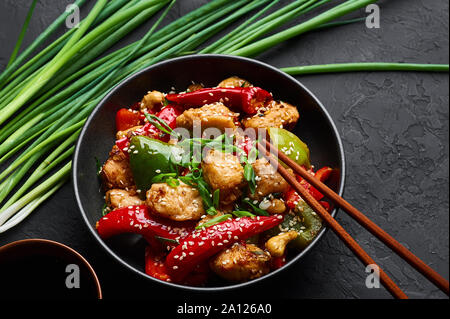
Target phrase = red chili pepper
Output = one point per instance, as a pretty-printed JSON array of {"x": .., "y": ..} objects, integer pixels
[
  {"x": 246, "y": 145},
  {"x": 323, "y": 174},
  {"x": 325, "y": 205},
  {"x": 204, "y": 243},
  {"x": 168, "y": 114},
  {"x": 154, "y": 265},
  {"x": 292, "y": 198},
  {"x": 136, "y": 219},
  {"x": 126, "y": 119},
  {"x": 249, "y": 99},
  {"x": 278, "y": 262}
]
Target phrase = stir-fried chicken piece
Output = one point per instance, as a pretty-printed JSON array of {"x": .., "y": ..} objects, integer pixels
[
  {"x": 116, "y": 172},
  {"x": 276, "y": 114},
  {"x": 211, "y": 115},
  {"x": 180, "y": 203},
  {"x": 153, "y": 99},
  {"x": 128, "y": 133},
  {"x": 118, "y": 198},
  {"x": 223, "y": 171},
  {"x": 234, "y": 81},
  {"x": 241, "y": 263},
  {"x": 195, "y": 87},
  {"x": 268, "y": 180}
]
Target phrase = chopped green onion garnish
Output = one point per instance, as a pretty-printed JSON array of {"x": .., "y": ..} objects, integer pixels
[
  {"x": 214, "y": 221},
  {"x": 167, "y": 240},
  {"x": 256, "y": 209},
  {"x": 242, "y": 213},
  {"x": 216, "y": 198},
  {"x": 161, "y": 177}
]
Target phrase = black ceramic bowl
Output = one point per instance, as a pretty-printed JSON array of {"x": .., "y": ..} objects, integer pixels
[{"x": 315, "y": 127}]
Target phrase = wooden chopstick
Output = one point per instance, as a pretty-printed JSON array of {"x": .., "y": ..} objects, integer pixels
[
  {"x": 333, "y": 224},
  {"x": 364, "y": 221}
]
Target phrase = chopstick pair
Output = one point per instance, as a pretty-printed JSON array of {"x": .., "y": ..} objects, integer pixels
[{"x": 268, "y": 150}]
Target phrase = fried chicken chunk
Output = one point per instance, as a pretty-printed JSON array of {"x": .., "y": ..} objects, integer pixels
[
  {"x": 180, "y": 203},
  {"x": 211, "y": 115},
  {"x": 268, "y": 180},
  {"x": 116, "y": 172},
  {"x": 276, "y": 114},
  {"x": 223, "y": 171},
  {"x": 153, "y": 99},
  {"x": 241, "y": 263},
  {"x": 128, "y": 133},
  {"x": 118, "y": 198},
  {"x": 234, "y": 81}
]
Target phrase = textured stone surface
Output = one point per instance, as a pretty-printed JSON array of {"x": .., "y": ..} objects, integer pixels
[{"x": 395, "y": 132}]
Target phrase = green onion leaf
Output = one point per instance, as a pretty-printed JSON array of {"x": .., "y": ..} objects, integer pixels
[
  {"x": 256, "y": 209},
  {"x": 164, "y": 240},
  {"x": 211, "y": 211},
  {"x": 250, "y": 177},
  {"x": 173, "y": 182},
  {"x": 161, "y": 177},
  {"x": 242, "y": 213},
  {"x": 105, "y": 210},
  {"x": 152, "y": 119},
  {"x": 99, "y": 166},
  {"x": 216, "y": 197},
  {"x": 22, "y": 33},
  {"x": 214, "y": 221}
]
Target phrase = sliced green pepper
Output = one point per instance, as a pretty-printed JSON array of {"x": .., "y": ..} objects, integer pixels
[
  {"x": 290, "y": 145},
  {"x": 150, "y": 157},
  {"x": 304, "y": 221}
]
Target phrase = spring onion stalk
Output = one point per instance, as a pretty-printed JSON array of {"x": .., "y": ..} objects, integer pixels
[
  {"x": 50, "y": 51},
  {"x": 55, "y": 179},
  {"x": 57, "y": 126},
  {"x": 28, "y": 75},
  {"x": 22, "y": 33},
  {"x": 165, "y": 30},
  {"x": 36, "y": 43},
  {"x": 304, "y": 8},
  {"x": 52, "y": 67},
  {"x": 160, "y": 37},
  {"x": 45, "y": 131},
  {"x": 340, "y": 23},
  {"x": 365, "y": 66},
  {"x": 201, "y": 36},
  {"x": 167, "y": 48},
  {"x": 282, "y": 11},
  {"x": 229, "y": 36},
  {"x": 328, "y": 16},
  {"x": 23, "y": 213},
  {"x": 101, "y": 65},
  {"x": 240, "y": 36},
  {"x": 70, "y": 49},
  {"x": 56, "y": 137},
  {"x": 57, "y": 156},
  {"x": 21, "y": 145}
]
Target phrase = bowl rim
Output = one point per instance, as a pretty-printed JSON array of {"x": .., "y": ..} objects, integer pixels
[
  {"x": 67, "y": 249},
  {"x": 187, "y": 58}
]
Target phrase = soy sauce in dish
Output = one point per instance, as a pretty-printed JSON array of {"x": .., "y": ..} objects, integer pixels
[{"x": 43, "y": 277}]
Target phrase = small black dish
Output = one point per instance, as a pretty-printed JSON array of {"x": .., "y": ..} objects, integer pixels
[{"x": 315, "y": 127}]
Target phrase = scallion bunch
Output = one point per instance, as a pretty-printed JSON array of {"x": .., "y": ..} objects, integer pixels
[{"x": 46, "y": 96}]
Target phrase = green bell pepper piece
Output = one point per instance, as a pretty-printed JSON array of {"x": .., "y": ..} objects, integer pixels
[
  {"x": 150, "y": 157},
  {"x": 304, "y": 221},
  {"x": 290, "y": 145}
]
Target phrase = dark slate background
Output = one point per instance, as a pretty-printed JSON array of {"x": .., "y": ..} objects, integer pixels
[{"x": 395, "y": 132}]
